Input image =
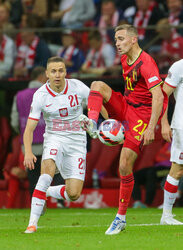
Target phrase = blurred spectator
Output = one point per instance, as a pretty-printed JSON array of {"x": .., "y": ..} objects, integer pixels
[
  {"x": 109, "y": 18},
  {"x": 147, "y": 13},
  {"x": 100, "y": 56},
  {"x": 16, "y": 11},
  {"x": 4, "y": 14},
  {"x": 14, "y": 172},
  {"x": 36, "y": 7},
  {"x": 19, "y": 115},
  {"x": 171, "y": 46},
  {"x": 124, "y": 4},
  {"x": 175, "y": 10},
  {"x": 7, "y": 55},
  {"x": 5, "y": 25},
  {"x": 74, "y": 13},
  {"x": 73, "y": 56},
  {"x": 32, "y": 51}
]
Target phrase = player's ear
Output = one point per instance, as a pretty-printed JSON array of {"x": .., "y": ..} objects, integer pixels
[
  {"x": 134, "y": 39},
  {"x": 46, "y": 72}
]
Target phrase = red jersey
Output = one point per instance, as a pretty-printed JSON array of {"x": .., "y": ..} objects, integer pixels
[{"x": 140, "y": 77}]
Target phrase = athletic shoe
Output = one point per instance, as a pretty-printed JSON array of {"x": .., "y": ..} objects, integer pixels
[
  {"x": 116, "y": 226},
  {"x": 169, "y": 220},
  {"x": 30, "y": 229},
  {"x": 89, "y": 125}
]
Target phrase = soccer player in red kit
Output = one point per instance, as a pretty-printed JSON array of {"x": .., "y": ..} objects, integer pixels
[{"x": 141, "y": 107}]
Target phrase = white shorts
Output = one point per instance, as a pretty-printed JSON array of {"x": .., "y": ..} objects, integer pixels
[
  {"x": 177, "y": 146},
  {"x": 69, "y": 156}
]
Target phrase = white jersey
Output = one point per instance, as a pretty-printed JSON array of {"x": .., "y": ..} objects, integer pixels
[
  {"x": 61, "y": 110},
  {"x": 175, "y": 80}
]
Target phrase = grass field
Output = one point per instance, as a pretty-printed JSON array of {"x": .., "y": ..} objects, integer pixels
[{"x": 84, "y": 229}]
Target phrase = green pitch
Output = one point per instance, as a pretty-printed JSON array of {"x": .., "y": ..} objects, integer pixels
[{"x": 84, "y": 229}]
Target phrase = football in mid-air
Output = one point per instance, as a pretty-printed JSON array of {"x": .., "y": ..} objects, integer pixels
[{"x": 111, "y": 132}]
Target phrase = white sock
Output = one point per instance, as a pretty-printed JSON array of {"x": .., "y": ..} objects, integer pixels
[
  {"x": 169, "y": 197},
  {"x": 54, "y": 191},
  {"x": 122, "y": 217},
  {"x": 37, "y": 204}
]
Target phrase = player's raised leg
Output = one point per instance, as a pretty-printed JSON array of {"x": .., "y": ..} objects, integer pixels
[
  {"x": 39, "y": 196},
  {"x": 100, "y": 93},
  {"x": 170, "y": 192},
  {"x": 71, "y": 191},
  {"x": 127, "y": 160}
]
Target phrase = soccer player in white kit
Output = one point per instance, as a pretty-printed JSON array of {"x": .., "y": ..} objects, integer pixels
[
  {"x": 61, "y": 102},
  {"x": 173, "y": 83}
]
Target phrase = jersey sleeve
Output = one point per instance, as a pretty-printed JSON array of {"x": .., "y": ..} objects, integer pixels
[
  {"x": 150, "y": 73},
  {"x": 173, "y": 77},
  {"x": 35, "y": 110}
]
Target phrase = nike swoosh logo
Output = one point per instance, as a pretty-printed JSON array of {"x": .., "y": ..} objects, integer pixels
[{"x": 48, "y": 105}]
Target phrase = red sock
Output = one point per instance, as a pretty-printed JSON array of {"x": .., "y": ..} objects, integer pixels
[
  {"x": 126, "y": 188},
  {"x": 95, "y": 101},
  {"x": 13, "y": 187}
]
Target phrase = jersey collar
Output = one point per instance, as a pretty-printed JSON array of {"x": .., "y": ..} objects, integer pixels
[{"x": 53, "y": 93}]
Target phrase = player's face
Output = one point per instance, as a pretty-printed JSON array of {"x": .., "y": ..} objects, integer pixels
[
  {"x": 124, "y": 42},
  {"x": 56, "y": 73}
]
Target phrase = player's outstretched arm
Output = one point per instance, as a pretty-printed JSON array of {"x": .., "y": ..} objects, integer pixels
[
  {"x": 165, "y": 127},
  {"x": 157, "y": 105},
  {"x": 29, "y": 158}
]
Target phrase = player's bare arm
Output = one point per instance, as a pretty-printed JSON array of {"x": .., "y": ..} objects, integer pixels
[
  {"x": 29, "y": 158},
  {"x": 165, "y": 127},
  {"x": 157, "y": 105}
]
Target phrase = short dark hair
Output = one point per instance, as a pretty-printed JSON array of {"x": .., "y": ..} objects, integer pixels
[
  {"x": 95, "y": 34},
  {"x": 55, "y": 59},
  {"x": 37, "y": 71},
  {"x": 131, "y": 30}
]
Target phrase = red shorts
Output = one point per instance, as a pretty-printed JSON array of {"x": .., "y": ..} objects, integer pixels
[{"x": 134, "y": 120}]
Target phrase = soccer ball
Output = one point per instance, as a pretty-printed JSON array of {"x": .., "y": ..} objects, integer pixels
[{"x": 111, "y": 132}]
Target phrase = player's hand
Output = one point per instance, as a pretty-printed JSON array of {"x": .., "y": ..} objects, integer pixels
[
  {"x": 166, "y": 132},
  {"x": 29, "y": 160},
  {"x": 148, "y": 136}
]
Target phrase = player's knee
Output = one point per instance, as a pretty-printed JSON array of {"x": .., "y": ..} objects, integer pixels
[
  {"x": 179, "y": 174},
  {"x": 73, "y": 195},
  {"x": 98, "y": 86},
  {"x": 125, "y": 168}
]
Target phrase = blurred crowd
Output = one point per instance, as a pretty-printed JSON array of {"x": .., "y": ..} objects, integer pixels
[{"x": 82, "y": 32}]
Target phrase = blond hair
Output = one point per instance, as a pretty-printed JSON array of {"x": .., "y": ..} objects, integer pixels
[{"x": 131, "y": 30}]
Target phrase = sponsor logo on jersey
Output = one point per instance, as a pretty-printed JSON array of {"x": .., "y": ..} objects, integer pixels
[
  {"x": 63, "y": 112},
  {"x": 48, "y": 105},
  {"x": 181, "y": 156},
  {"x": 153, "y": 79},
  {"x": 53, "y": 152}
]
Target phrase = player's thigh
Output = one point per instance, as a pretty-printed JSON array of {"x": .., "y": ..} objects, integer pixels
[
  {"x": 116, "y": 106},
  {"x": 52, "y": 155},
  {"x": 177, "y": 146},
  {"x": 74, "y": 187},
  {"x": 74, "y": 165},
  {"x": 127, "y": 160},
  {"x": 136, "y": 123},
  {"x": 48, "y": 167}
]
